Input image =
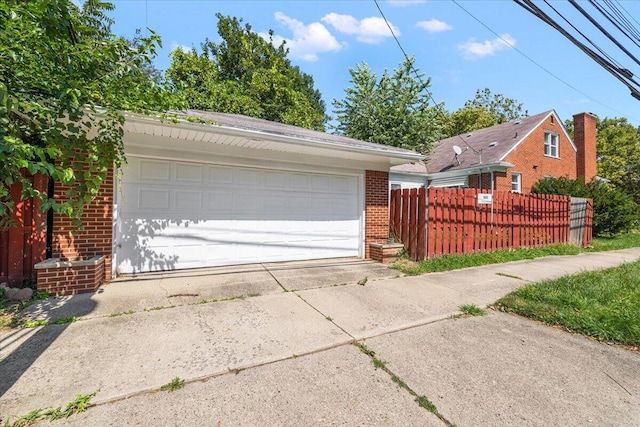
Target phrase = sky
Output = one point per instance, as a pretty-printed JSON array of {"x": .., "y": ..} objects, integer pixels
[{"x": 462, "y": 46}]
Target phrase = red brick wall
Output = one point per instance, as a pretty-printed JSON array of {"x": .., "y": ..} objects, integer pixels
[
  {"x": 584, "y": 136},
  {"x": 71, "y": 279},
  {"x": 483, "y": 181},
  {"x": 530, "y": 161},
  {"x": 376, "y": 197},
  {"x": 97, "y": 236}
]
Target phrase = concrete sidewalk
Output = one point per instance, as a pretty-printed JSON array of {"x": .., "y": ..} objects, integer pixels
[{"x": 293, "y": 354}]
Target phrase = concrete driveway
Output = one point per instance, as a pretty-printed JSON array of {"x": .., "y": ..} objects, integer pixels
[{"x": 293, "y": 358}]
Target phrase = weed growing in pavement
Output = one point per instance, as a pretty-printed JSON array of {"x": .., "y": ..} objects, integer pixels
[
  {"x": 378, "y": 363},
  {"x": 471, "y": 310},
  {"x": 64, "y": 320},
  {"x": 425, "y": 403},
  {"x": 396, "y": 379},
  {"x": 329, "y": 318},
  {"x": 121, "y": 313},
  {"x": 35, "y": 323},
  {"x": 80, "y": 404},
  {"x": 160, "y": 307},
  {"x": 363, "y": 348},
  {"x": 422, "y": 401},
  {"x": 9, "y": 309},
  {"x": 44, "y": 322},
  {"x": 175, "y": 384}
]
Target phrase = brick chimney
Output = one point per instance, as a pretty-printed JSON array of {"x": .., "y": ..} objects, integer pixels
[{"x": 584, "y": 136}]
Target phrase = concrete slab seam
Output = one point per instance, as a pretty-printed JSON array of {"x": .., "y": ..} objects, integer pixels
[
  {"x": 432, "y": 320},
  {"x": 274, "y": 277},
  {"x": 324, "y": 315},
  {"x": 228, "y": 371},
  {"x": 380, "y": 364}
]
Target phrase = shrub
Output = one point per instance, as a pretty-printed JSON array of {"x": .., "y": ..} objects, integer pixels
[{"x": 614, "y": 210}]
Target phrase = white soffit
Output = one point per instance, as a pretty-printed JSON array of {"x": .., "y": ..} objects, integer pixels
[{"x": 243, "y": 138}]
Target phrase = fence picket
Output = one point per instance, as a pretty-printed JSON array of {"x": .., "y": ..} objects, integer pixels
[{"x": 438, "y": 221}]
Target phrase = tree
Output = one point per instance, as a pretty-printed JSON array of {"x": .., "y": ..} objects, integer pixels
[
  {"x": 468, "y": 119},
  {"x": 484, "y": 110},
  {"x": 614, "y": 210},
  {"x": 246, "y": 74},
  {"x": 63, "y": 79},
  {"x": 394, "y": 110},
  {"x": 504, "y": 109},
  {"x": 618, "y": 150}
]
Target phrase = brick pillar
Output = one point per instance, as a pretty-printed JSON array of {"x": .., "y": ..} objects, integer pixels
[
  {"x": 97, "y": 236},
  {"x": 376, "y": 199},
  {"x": 584, "y": 136}
]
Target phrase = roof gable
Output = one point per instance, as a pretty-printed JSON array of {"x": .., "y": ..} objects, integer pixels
[{"x": 486, "y": 146}]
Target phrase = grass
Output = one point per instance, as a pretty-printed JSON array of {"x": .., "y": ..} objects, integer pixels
[
  {"x": 175, "y": 384},
  {"x": 471, "y": 310},
  {"x": 454, "y": 262},
  {"x": 618, "y": 241},
  {"x": 603, "y": 304},
  {"x": 9, "y": 309}
]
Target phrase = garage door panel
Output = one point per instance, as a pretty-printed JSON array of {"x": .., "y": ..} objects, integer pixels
[
  {"x": 188, "y": 200},
  {"x": 189, "y": 173},
  {"x": 153, "y": 170},
  {"x": 175, "y": 215}
]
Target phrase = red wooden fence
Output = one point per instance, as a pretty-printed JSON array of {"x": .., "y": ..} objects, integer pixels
[
  {"x": 24, "y": 244},
  {"x": 441, "y": 221}
]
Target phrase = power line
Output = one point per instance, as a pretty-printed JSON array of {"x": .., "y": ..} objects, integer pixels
[
  {"x": 418, "y": 76},
  {"x": 603, "y": 31},
  {"x": 535, "y": 62},
  {"x": 622, "y": 74}
]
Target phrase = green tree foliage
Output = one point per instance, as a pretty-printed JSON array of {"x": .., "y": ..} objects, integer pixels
[
  {"x": 246, "y": 74},
  {"x": 393, "y": 110},
  {"x": 468, "y": 119},
  {"x": 504, "y": 109},
  {"x": 63, "y": 79},
  {"x": 614, "y": 210},
  {"x": 484, "y": 110},
  {"x": 618, "y": 150}
]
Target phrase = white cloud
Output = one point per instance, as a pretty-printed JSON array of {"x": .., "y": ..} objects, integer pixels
[
  {"x": 371, "y": 30},
  {"x": 307, "y": 41},
  {"x": 471, "y": 49},
  {"x": 434, "y": 26},
  {"x": 576, "y": 101},
  {"x": 182, "y": 47},
  {"x": 402, "y": 3}
]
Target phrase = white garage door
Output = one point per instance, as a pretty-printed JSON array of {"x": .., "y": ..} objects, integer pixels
[{"x": 174, "y": 215}]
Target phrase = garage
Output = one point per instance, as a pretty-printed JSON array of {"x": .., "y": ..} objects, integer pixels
[
  {"x": 176, "y": 214},
  {"x": 202, "y": 189}
]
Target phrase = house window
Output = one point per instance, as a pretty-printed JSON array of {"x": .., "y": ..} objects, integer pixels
[
  {"x": 516, "y": 182},
  {"x": 551, "y": 144}
]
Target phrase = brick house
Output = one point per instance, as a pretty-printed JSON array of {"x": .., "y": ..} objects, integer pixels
[
  {"x": 212, "y": 189},
  {"x": 510, "y": 156}
]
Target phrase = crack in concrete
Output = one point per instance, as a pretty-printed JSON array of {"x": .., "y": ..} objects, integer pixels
[
  {"x": 401, "y": 383},
  {"x": 274, "y": 277}
]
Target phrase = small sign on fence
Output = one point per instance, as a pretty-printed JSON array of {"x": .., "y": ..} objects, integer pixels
[{"x": 485, "y": 198}]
